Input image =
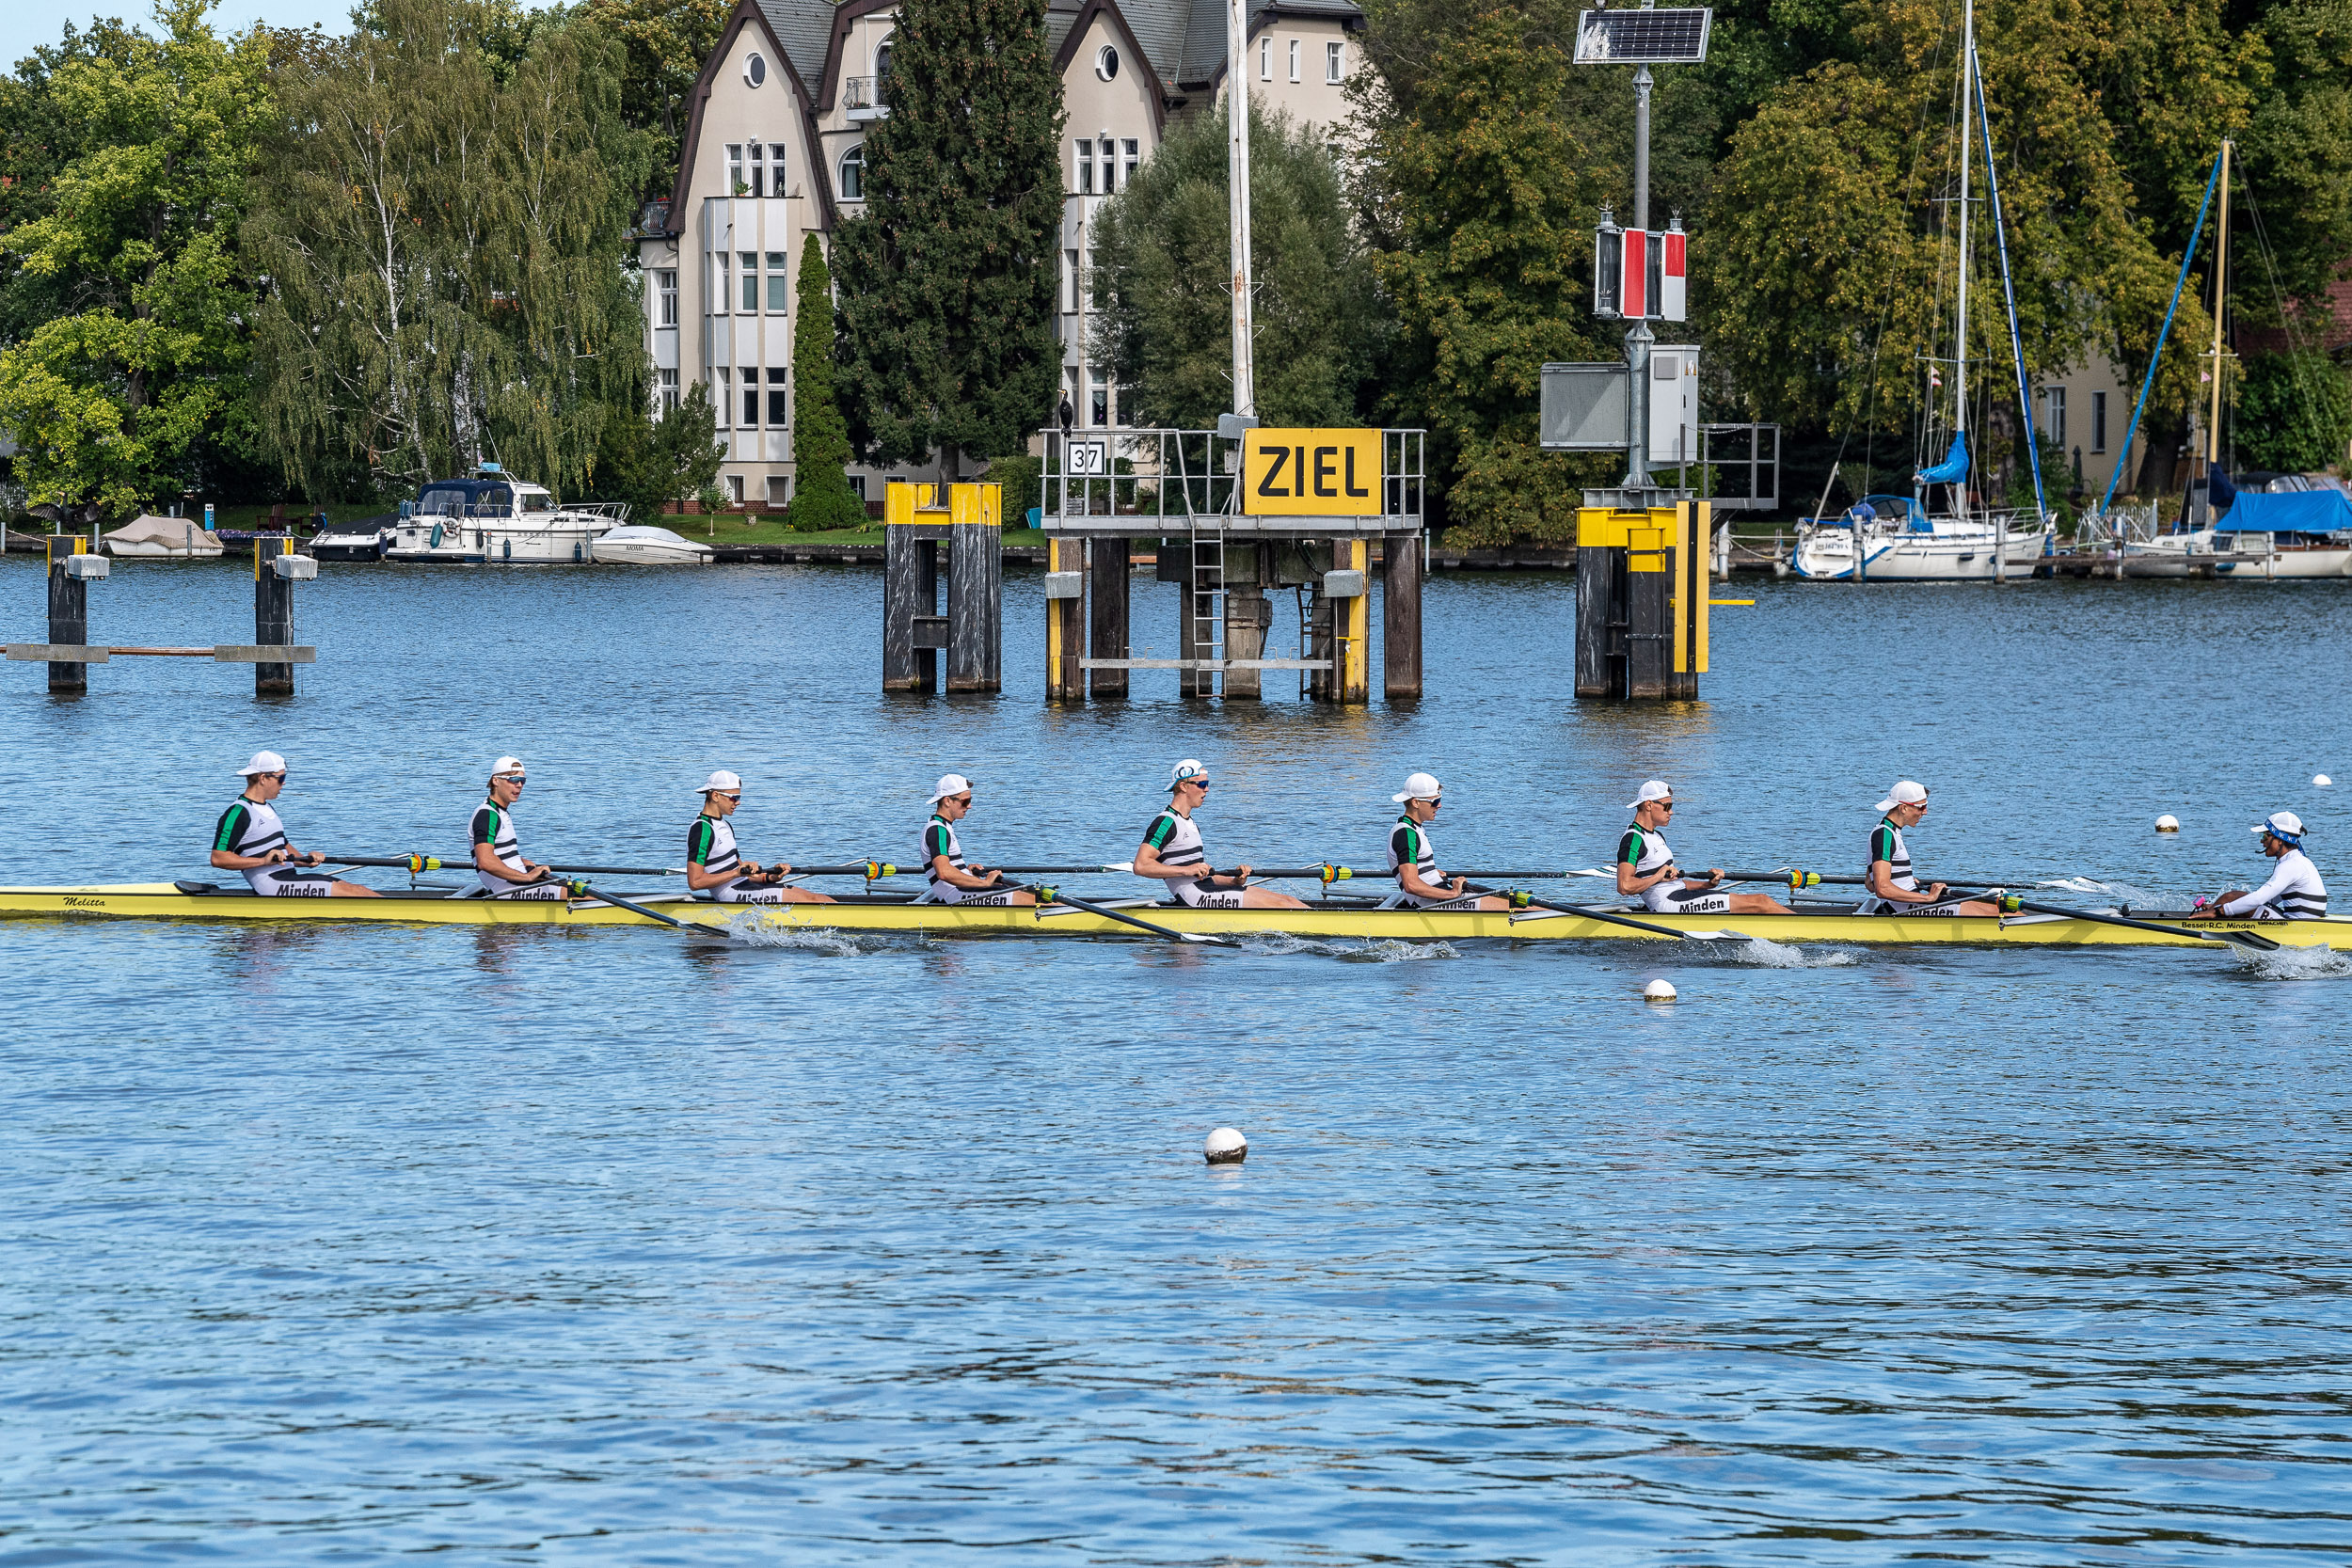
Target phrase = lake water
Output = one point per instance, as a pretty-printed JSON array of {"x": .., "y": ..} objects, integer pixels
[{"x": 518, "y": 1246}]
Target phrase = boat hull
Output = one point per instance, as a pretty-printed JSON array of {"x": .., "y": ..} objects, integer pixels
[{"x": 163, "y": 901}]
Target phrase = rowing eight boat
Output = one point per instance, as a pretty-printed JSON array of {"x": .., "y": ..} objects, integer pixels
[{"x": 1334, "y": 920}]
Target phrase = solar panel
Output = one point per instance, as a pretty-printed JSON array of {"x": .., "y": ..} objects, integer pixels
[{"x": 1643, "y": 36}]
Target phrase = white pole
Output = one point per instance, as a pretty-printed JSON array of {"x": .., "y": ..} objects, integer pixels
[
  {"x": 1960, "y": 372},
  {"x": 1237, "y": 182}
]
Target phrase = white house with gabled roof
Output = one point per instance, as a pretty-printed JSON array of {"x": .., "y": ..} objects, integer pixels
[{"x": 773, "y": 150}]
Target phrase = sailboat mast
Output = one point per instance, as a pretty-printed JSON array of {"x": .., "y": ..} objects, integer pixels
[
  {"x": 1960, "y": 372},
  {"x": 2220, "y": 295}
]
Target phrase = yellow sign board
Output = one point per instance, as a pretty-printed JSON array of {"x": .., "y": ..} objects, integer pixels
[{"x": 1327, "y": 473}]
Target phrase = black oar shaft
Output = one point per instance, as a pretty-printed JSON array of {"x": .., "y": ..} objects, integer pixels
[
  {"x": 1044, "y": 895},
  {"x": 1603, "y": 915},
  {"x": 2241, "y": 939},
  {"x": 437, "y": 863},
  {"x": 632, "y": 906}
]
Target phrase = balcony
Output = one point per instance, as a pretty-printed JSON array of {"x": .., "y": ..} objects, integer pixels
[{"x": 861, "y": 97}]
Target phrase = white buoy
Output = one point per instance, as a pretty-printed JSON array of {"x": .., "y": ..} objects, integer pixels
[
  {"x": 2321, "y": 780},
  {"x": 2168, "y": 823},
  {"x": 1226, "y": 1146},
  {"x": 1659, "y": 990}
]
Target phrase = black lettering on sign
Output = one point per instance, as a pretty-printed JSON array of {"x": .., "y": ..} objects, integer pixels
[
  {"x": 1325, "y": 472},
  {"x": 1298, "y": 471},
  {"x": 1352, "y": 490},
  {"x": 1265, "y": 486}
]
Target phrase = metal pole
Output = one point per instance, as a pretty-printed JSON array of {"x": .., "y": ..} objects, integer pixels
[
  {"x": 1237, "y": 191},
  {"x": 1960, "y": 371},
  {"x": 2220, "y": 295},
  {"x": 1639, "y": 338}
]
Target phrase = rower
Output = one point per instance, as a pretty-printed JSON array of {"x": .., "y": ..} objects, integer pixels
[
  {"x": 1647, "y": 868},
  {"x": 250, "y": 839},
  {"x": 499, "y": 864},
  {"x": 952, "y": 880},
  {"x": 1172, "y": 852},
  {"x": 712, "y": 865},
  {"x": 1413, "y": 859},
  {"x": 1891, "y": 887},
  {"x": 2293, "y": 891}
]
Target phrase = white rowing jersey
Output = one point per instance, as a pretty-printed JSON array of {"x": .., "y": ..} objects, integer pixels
[
  {"x": 1647, "y": 852},
  {"x": 711, "y": 844},
  {"x": 1176, "y": 838},
  {"x": 939, "y": 839},
  {"x": 1886, "y": 844},
  {"x": 494, "y": 825},
  {"x": 1408, "y": 845},
  {"x": 251, "y": 827},
  {"x": 2293, "y": 891}
]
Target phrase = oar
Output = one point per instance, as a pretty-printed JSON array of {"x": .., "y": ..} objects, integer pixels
[
  {"x": 1054, "y": 896},
  {"x": 1794, "y": 880},
  {"x": 1616, "y": 919},
  {"x": 2243, "y": 939},
  {"x": 414, "y": 864},
  {"x": 583, "y": 889}
]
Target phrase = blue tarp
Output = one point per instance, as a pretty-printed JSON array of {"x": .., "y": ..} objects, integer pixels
[
  {"x": 2302, "y": 512},
  {"x": 1953, "y": 468}
]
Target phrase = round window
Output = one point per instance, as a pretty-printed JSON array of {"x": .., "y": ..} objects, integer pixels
[
  {"x": 1106, "y": 63},
  {"x": 754, "y": 70}
]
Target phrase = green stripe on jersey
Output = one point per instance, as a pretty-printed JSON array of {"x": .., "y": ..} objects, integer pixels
[
  {"x": 699, "y": 838},
  {"x": 1163, "y": 828},
  {"x": 232, "y": 827}
]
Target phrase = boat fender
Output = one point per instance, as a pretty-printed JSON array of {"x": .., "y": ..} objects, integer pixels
[
  {"x": 1226, "y": 1146},
  {"x": 1659, "y": 990}
]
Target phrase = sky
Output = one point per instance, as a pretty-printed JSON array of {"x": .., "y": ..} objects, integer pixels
[{"x": 25, "y": 25}]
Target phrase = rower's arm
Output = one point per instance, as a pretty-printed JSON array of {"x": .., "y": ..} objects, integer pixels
[
  {"x": 1881, "y": 881},
  {"x": 1408, "y": 876},
  {"x": 945, "y": 870},
  {"x": 1147, "y": 863},
  {"x": 2239, "y": 908}
]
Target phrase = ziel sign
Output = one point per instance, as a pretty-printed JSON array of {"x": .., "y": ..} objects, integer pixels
[{"x": 1330, "y": 473}]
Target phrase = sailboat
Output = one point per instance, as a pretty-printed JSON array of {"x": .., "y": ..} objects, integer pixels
[
  {"x": 1907, "y": 540},
  {"x": 2246, "y": 536}
]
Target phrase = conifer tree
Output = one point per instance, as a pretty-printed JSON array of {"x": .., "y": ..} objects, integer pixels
[
  {"x": 821, "y": 496},
  {"x": 948, "y": 281}
]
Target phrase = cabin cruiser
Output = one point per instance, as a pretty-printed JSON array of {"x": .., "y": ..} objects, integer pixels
[{"x": 495, "y": 517}]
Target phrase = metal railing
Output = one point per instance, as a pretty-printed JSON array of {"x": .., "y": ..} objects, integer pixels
[
  {"x": 1174, "y": 476},
  {"x": 862, "y": 92}
]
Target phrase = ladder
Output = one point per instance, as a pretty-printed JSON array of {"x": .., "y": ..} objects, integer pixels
[{"x": 1205, "y": 587}]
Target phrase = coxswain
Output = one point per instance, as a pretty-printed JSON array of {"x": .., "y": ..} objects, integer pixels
[
  {"x": 499, "y": 866},
  {"x": 1171, "y": 851},
  {"x": 1890, "y": 887},
  {"x": 712, "y": 865},
  {"x": 1647, "y": 868},
  {"x": 2293, "y": 891},
  {"x": 953, "y": 881},
  {"x": 250, "y": 839},
  {"x": 1413, "y": 859}
]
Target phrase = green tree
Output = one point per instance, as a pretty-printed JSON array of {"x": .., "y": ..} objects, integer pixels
[
  {"x": 667, "y": 41},
  {"x": 444, "y": 226},
  {"x": 821, "y": 496},
  {"x": 2293, "y": 413},
  {"x": 649, "y": 462},
  {"x": 1162, "y": 282},
  {"x": 1487, "y": 202},
  {"x": 110, "y": 399},
  {"x": 947, "y": 280}
]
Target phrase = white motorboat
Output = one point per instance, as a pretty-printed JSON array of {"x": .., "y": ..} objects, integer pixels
[
  {"x": 1896, "y": 543},
  {"x": 162, "y": 538},
  {"x": 363, "y": 539},
  {"x": 494, "y": 517},
  {"x": 639, "y": 545}
]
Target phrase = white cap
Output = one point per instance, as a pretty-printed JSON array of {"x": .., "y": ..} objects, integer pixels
[
  {"x": 949, "y": 783},
  {"x": 1657, "y": 789},
  {"x": 263, "y": 762},
  {"x": 2283, "y": 824},
  {"x": 505, "y": 766},
  {"x": 1905, "y": 793},
  {"x": 722, "y": 783},
  {"x": 1191, "y": 767},
  {"x": 1419, "y": 786}
]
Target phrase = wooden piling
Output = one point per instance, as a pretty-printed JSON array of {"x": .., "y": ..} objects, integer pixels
[
  {"x": 976, "y": 630},
  {"x": 912, "y": 630},
  {"x": 69, "y": 612},
  {"x": 1248, "y": 618},
  {"x": 1400, "y": 614},
  {"x": 1106, "y": 599},
  {"x": 273, "y": 617},
  {"x": 1599, "y": 626},
  {"x": 1355, "y": 671},
  {"x": 1065, "y": 620},
  {"x": 1649, "y": 610}
]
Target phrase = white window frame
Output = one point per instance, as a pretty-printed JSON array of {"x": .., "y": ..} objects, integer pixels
[
  {"x": 1098, "y": 397},
  {"x": 1131, "y": 159},
  {"x": 665, "y": 394},
  {"x": 1265, "y": 60},
  {"x": 1110, "y": 167},
  {"x": 757, "y": 158},
  {"x": 1071, "y": 302},
  {"x": 1083, "y": 181},
  {"x": 853, "y": 158},
  {"x": 735, "y": 168},
  {"x": 722, "y": 291},
  {"x": 2098, "y": 422},
  {"x": 1335, "y": 62},
  {"x": 665, "y": 287},
  {"x": 751, "y": 282},
  {"x": 722, "y": 380},
  {"x": 1299, "y": 56},
  {"x": 779, "y": 293}
]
